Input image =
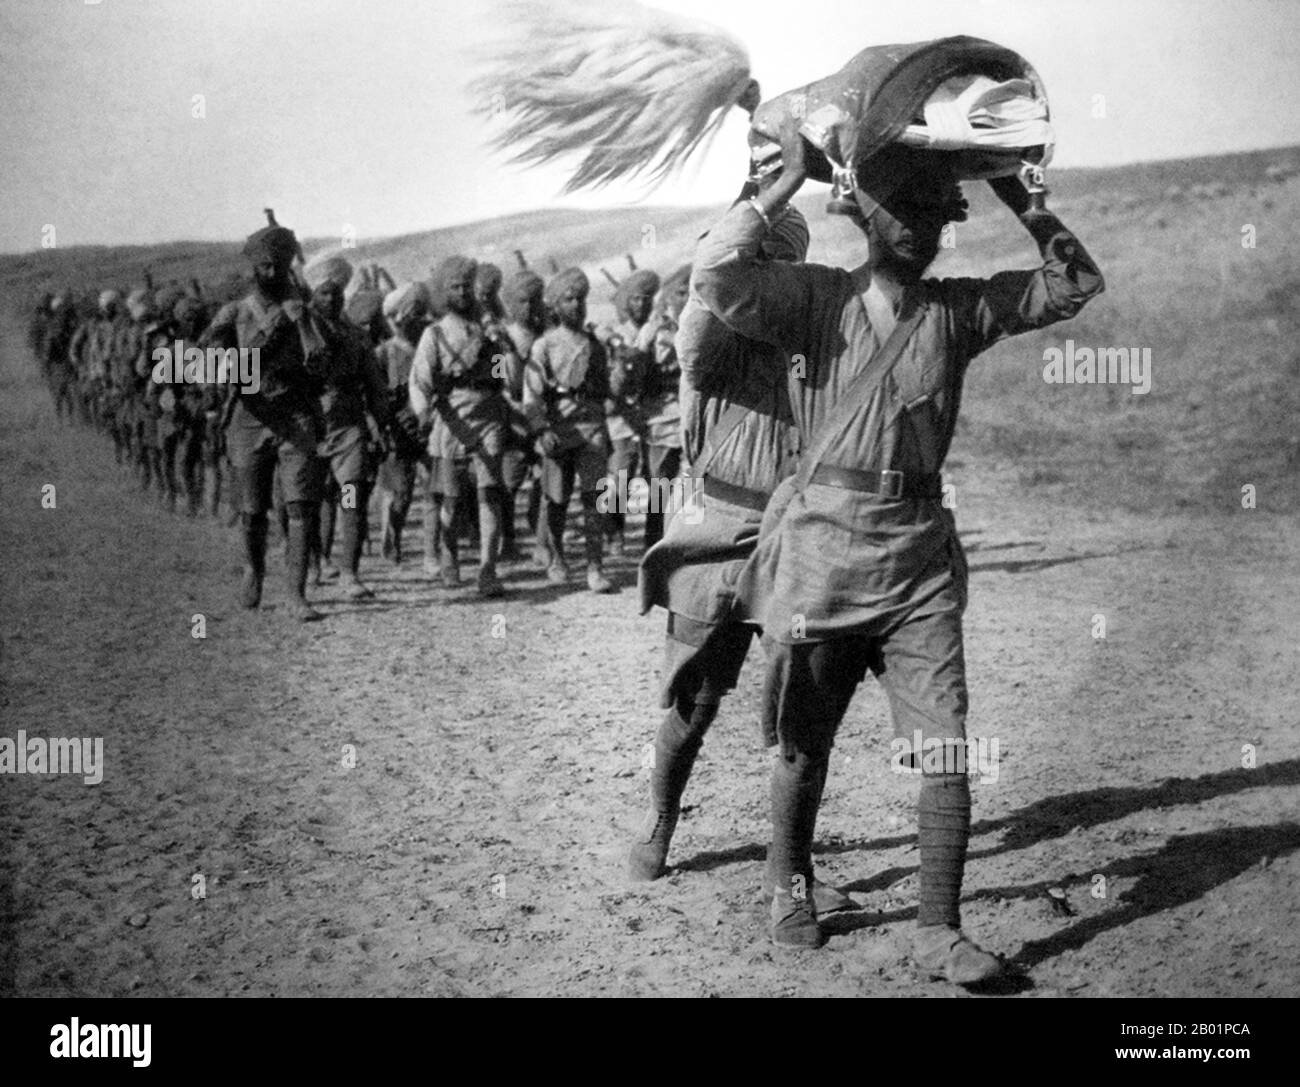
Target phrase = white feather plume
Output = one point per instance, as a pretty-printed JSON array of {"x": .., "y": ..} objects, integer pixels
[{"x": 632, "y": 91}]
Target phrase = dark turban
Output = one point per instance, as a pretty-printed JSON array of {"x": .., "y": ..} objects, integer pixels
[
  {"x": 277, "y": 244},
  {"x": 488, "y": 278},
  {"x": 562, "y": 284},
  {"x": 901, "y": 174},
  {"x": 642, "y": 282},
  {"x": 519, "y": 292}
]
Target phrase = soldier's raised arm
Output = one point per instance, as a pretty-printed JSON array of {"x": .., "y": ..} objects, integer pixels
[{"x": 1012, "y": 302}]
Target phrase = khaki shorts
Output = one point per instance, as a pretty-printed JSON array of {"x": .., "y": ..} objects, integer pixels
[
  {"x": 921, "y": 665},
  {"x": 255, "y": 451}
]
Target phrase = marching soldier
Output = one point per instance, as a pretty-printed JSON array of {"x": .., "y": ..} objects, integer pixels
[
  {"x": 197, "y": 415},
  {"x": 406, "y": 309},
  {"x": 631, "y": 355},
  {"x": 525, "y": 321},
  {"x": 56, "y": 339},
  {"x": 351, "y": 390},
  {"x": 859, "y": 566},
  {"x": 663, "y": 418},
  {"x": 279, "y": 424},
  {"x": 739, "y": 436},
  {"x": 455, "y": 376},
  {"x": 91, "y": 354},
  {"x": 566, "y": 389}
]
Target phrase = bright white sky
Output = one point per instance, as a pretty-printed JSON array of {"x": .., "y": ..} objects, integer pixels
[{"x": 353, "y": 111}]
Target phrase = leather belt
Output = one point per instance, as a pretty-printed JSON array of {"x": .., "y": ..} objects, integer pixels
[
  {"x": 737, "y": 496},
  {"x": 887, "y": 484}
]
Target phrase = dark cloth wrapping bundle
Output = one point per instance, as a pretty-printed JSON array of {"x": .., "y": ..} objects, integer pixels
[{"x": 852, "y": 120}]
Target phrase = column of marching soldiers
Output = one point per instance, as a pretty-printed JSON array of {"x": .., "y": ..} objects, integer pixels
[{"x": 489, "y": 395}]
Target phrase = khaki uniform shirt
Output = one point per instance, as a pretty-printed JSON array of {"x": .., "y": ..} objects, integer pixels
[{"x": 832, "y": 561}]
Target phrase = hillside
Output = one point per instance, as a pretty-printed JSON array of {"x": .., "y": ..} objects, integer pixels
[{"x": 1220, "y": 319}]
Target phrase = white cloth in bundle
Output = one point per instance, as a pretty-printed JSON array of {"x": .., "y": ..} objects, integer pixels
[{"x": 976, "y": 113}]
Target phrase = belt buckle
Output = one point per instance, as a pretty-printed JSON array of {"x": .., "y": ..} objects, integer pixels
[{"x": 891, "y": 483}]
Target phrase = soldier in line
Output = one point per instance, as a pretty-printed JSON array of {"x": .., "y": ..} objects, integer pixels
[
  {"x": 566, "y": 390},
  {"x": 280, "y": 424},
  {"x": 859, "y": 565},
  {"x": 659, "y": 401},
  {"x": 454, "y": 376},
  {"x": 407, "y": 312},
  {"x": 56, "y": 339},
  {"x": 140, "y": 403},
  {"x": 197, "y": 413},
  {"x": 406, "y": 308},
  {"x": 630, "y": 344},
  {"x": 351, "y": 390},
  {"x": 89, "y": 353},
  {"x": 525, "y": 321},
  {"x": 739, "y": 437}
]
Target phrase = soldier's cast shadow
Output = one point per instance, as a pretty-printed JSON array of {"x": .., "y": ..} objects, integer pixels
[{"x": 1184, "y": 869}]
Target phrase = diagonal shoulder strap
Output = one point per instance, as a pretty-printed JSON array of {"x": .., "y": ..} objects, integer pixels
[
  {"x": 860, "y": 389},
  {"x": 728, "y": 421}
]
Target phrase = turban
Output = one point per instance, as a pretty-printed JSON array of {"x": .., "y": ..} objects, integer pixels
[
  {"x": 108, "y": 297},
  {"x": 788, "y": 238},
  {"x": 518, "y": 293},
  {"x": 324, "y": 270},
  {"x": 277, "y": 244},
  {"x": 453, "y": 268},
  {"x": 406, "y": 299},
  {"x": 901, "y": 174},
  {"x": 560, "y": 285},
  {"x": 642, "y": 282},
  {"x": 488, "y": 278}
]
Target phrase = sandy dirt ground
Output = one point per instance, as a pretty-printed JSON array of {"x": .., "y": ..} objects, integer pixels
[{"x": 476, "y": 846}]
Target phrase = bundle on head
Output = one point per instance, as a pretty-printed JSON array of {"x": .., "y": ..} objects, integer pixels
[{"x": 632, "y": 90}]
